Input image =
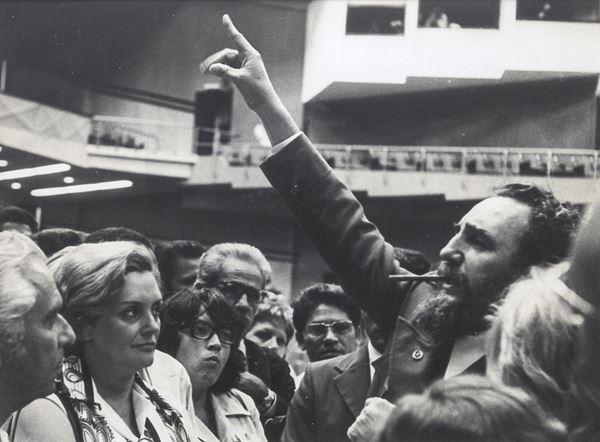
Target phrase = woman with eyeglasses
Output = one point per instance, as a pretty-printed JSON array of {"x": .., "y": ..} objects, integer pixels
[
  {"x": 107, "y": 387},
  {"x": 201, "y": 329}
]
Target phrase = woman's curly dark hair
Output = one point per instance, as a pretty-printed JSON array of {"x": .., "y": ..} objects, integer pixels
[
  {"x": 183, "y": 308},
  {"x": 552, "y": 225}
]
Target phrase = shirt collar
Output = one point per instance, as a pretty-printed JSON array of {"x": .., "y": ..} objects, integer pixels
[
  {"x": 466, "y": 351},
  {"x": 373, "y": 356}
]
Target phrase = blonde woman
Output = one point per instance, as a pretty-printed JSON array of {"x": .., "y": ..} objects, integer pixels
[
  {"x": 112, "y": 300},
  {"x": 536, "y": 342}
]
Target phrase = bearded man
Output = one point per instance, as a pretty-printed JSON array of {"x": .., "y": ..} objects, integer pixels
[{"x": 435, "y": 331}]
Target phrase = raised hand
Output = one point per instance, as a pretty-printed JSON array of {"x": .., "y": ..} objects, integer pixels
[
  {"x": 243, "y": 66},
  {"x": 371, "y": 421}
]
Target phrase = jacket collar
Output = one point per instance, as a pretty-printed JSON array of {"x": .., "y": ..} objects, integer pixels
[{"x": 353, "y": 379}]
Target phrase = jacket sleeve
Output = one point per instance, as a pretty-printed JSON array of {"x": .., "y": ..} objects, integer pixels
[
  {"x": 300, "y": 419},
  {"x": 282, "y": 383},
  {"x": 334, "y": 220}
]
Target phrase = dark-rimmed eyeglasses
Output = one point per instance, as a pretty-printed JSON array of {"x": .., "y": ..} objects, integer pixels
[
  {"x": 203, "y": 330},
  {"x": 235, "y": 290},
  {"x": 320, "y": 329}
]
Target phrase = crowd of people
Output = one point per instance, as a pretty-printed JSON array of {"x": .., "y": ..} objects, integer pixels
[{"x": 110, "y": 336}]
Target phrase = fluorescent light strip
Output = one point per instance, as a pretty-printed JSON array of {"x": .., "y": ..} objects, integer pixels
[
  {"x": 80, "y": 188},
  {"x": 34, "y": 171}
]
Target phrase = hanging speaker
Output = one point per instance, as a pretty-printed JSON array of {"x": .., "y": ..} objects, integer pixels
[{"x": 212, "y": 118}]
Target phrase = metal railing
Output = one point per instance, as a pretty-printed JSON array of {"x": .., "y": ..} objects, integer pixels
[
  {"x": 514, "y": 161},
  {"x": 150, "y": 136}
]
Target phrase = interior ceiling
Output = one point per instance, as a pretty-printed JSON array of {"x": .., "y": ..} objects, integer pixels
[
  {"x": 83, "y": 38},
  {"x": 341, "y": 91},
  {"x": 17, "y": 159}
]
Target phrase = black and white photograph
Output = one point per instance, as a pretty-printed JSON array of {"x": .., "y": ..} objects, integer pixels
[{"x": 299, "y": 220}]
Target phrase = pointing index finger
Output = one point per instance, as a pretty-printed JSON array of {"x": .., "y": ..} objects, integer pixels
[{"x": 240, "y": 41}]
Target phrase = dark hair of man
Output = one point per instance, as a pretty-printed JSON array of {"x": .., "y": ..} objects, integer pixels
[
  {"x": 181, "y": 310},
  {"x": 109, "y": 234},
  {"x": 53, "y": 240},
  {"x": 168, "y": 252},
  {"x": 318, "y": 294},
  {"x": 411, "y": 260},
  {"x": 14, "y": 214},
  {"x": 471, "y": 409},
  {"x": 552, "y": 224}
]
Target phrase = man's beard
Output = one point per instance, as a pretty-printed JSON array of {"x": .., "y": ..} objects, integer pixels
[{"x": 445, "y": 317}]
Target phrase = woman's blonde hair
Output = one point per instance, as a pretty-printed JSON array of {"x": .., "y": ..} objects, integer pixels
[
  {"x": 89, "y": 275},
  {"x": 536, "y": 340}
]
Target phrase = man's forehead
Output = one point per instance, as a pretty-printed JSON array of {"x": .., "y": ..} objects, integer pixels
[
  {"x": 234, "y": 269},
  {"x": 497, "y": 211},
  {"x": 326, "y": 311},
  {"x": 271, "y": 324}
]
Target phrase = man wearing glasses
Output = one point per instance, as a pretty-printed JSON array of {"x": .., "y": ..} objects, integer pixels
[
  {"x": 325, "y": 319},
  {"x": 241, "y": 272},
  {"x": 338, "y": 380}
]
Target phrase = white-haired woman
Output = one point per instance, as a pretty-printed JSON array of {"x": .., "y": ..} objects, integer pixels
[
  {"x": 536, "y": 343},
  {"x": 112, "y": 300}
]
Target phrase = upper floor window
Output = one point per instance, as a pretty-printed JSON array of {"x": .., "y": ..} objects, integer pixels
[
  {"x": 370, "y": 19},
  {"x": 459, "y": 14},
  {"x": 559, "y": 10}
]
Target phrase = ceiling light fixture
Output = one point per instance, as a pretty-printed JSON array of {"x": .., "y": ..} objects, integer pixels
[
  {"x": 68, "y": 180},
  {"x": 80, "y": 188},
  {"x": 3, "y": 163},
  {"x": 15, "y": 186},
  {"x": 34, "y": 171}
]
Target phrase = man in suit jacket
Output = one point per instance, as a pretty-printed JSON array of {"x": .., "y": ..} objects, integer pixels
[
  {"x": 435, "y": 331},
  {"x": 329, "y": 398},
  {"x": 333, "y": 392}
]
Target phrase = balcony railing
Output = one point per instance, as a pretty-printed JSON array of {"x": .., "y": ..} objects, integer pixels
[
  {"x": 156, "y": 137},
  {"x": 574, "y": 163}
]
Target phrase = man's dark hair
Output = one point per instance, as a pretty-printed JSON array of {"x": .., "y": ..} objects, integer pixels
[
  {"x": 411, "y": 260},
  {"x": 14, "y": 214},
  {"x": 168, "y": 253},
  {"x": 53, "y": 240},
  {"x": 552, "y": 225},
  {"x": 318, "y": 294},
  {"x": 110, "y": 234}
]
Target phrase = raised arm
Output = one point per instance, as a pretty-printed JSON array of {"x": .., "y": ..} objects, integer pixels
[{"x": 323, "y": 206}]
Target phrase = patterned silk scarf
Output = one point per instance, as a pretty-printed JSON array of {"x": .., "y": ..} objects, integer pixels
[{"x": 76, "y": 393}]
